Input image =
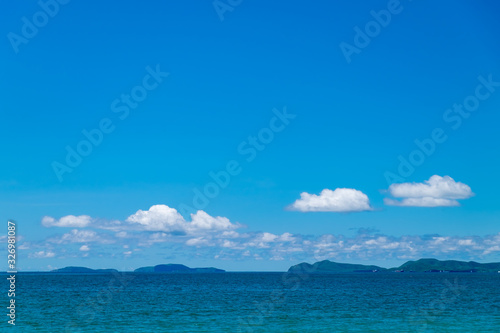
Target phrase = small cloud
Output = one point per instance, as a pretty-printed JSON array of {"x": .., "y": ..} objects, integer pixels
[
  {"x": 268, "y": 237},
  {"x": 422, "y": 202},
  {"x": 84, "y": 248},
  {"x": 79, "y": 236},
  {"x": 67, "y": 221},
  {"x": 198, "y": 241},
  {"x": 436, "y": 192},
  {"x": 203, "y": 221},
  {"x": 286, "y": 237},
  {"x": 43, "y": 254},
  {"x": 468, "y": 242},
  {"x": 489, "y": 250},
  {"x": 342, "y": 200}
]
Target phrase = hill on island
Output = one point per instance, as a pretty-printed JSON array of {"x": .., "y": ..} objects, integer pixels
[
  {"x": 421, "y": 265},
  {"x": 73, "y": 269},
  {"x": 169, "y": 268},
  {"x": 176, "y": 268},
  {"x": 434, "y": 265},
  {"x": 327, "y": 266}
]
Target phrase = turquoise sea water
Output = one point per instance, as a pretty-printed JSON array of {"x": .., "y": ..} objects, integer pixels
[{"x": 257, "y": 302}]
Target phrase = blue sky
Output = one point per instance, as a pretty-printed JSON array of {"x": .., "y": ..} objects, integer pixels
[{"x": 234, "y": 73}]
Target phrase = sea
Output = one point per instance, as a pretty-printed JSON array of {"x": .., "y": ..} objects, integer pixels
[{"x": 256, "y": 302}]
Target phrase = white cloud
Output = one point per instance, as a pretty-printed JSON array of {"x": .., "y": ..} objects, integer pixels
[
  {"x": 436, "y": 192},
  {"x": 435, "y": 187},
  {"x": 84, "y": 248},
  {"x": 230, "y": 234},
  {"x": 199, "y": 241},
  {"x": 262, "y": 240},
  {"x": 81, "y": 236},
  {"x": 228, "y": 243},
  {"x": 158, "y": 218},
  {"x": 70, "y": 221},
  {"x": 468, "y": 242},
  {"x": 268, "y": 237},
  {"x": 422, "y": 202},
  {"x": 286, "y": 237},
  {"x": 203, "y": 221},
  {"x": 489, "y": 250},
  {"x": 166, "y": 219},
  {"x": 43, "y": 254},
  {"x": 339, "y": 200}
]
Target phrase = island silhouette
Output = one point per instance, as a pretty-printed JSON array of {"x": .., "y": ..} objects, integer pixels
[
  {"x": 427, "y": 265},
  {"x": 165, "y": 268}
]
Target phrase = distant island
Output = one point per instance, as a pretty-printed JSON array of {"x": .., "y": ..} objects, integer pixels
[
  {"x": 421, "y": 265},
  {"x": 327, "y": 266},
  {"x": 452, "y": 266},
  {"x": 168, "y": 268},
  {"x": 176, "y": 268},
  {"x": 320, "y": 267},
  {"x": 73, "y": 269}
]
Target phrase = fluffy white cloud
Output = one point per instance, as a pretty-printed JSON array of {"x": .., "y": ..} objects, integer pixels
[
  {"x": 339, "y": 200},
  {"x": 84, "y": 248},
  {"x": 436, "y": 192},
  {"x": 287, "y": 237},
  {"x": 166, "y": 219},
  {"x": 267, "y": 237},
  {"x": 435, "y": 187},
  {"x": 203, "y": 221},
  {"x": 70, "y": 221},
  {"x": 158, "y": 218}
]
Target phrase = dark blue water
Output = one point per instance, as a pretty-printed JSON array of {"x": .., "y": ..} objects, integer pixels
[{"x": 257, "y": 302}]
